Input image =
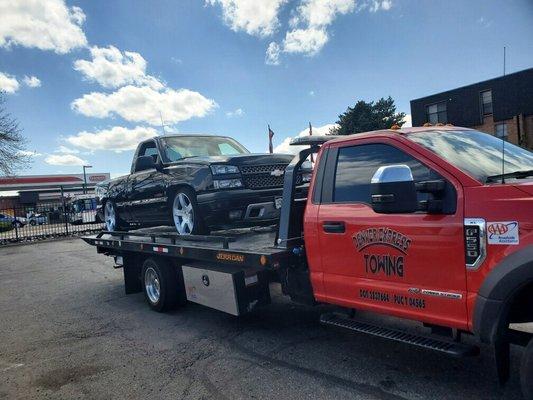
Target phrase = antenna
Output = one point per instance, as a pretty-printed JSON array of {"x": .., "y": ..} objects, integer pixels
[
  {"x": 504, "y": 61},
  {"x": 504, "y": 126},
  {"x": 162, "y": 123}
]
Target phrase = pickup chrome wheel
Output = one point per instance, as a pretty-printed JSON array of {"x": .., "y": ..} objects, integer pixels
[
  {"x": 183, "y": 214},
  {"x": 110, "y": 216}
]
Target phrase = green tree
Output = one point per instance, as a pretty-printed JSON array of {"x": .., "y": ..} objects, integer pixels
[
  {"x": 12, "y": 143},
  {"x": 364, "y": 117}
]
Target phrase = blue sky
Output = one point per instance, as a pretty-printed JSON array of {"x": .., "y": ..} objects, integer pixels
[{"x": 204, "y": 66}]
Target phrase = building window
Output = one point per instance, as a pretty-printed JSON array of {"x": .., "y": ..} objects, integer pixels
[
  {"x": 486, "y": 102},
  {"x": 501, "y": 130},
  {"x": 436, "y": 113}
]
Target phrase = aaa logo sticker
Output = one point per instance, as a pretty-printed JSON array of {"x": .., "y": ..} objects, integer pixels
[{"x": 505, "y": 232}]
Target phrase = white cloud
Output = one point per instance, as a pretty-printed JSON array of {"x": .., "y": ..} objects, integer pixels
[
  {"x": 377, "y": 5},
  {"x": 117, "y": 138},
  {"x": 112, "y": 68},
  {"x": 32, "y": 81},
  {"x": 319, "y": 13},
  {"x": 65, "y": 159},
  {"x": 306, "y": 41},
  {"x": 29, "y": 153},
  {"x": 8, "y": 83},
  {"x": 239, "y": 112},
  {"x": 255, "y": 17},
  {"x": 407, "y": 121},
  {"x": 46, "y": 25},
  {"x": 272, "y": 54},
  {"x": 66, "y": 150},
  {"x": 144, "y": 104},
  {"x": 310, "y": 22},
  {"x": 285, "y": 147}
]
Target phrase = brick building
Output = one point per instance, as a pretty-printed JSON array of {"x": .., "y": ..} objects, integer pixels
[{"x": 501, "y": 106}]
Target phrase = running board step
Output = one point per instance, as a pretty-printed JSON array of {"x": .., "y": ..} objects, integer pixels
[{"x": 442, "y": 346}]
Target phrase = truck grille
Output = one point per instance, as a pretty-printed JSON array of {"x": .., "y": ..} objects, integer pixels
[{"x": 259, "y": 176}]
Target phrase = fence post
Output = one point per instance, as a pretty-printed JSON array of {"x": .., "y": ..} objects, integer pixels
[
  {"x": 15, "y": 223},
  {"x": 65, "y": 215}
]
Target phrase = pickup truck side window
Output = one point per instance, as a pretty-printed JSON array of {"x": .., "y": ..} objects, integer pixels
[
  {"x": 149, "y": 149},
  {"x": 357, "y": 164}
]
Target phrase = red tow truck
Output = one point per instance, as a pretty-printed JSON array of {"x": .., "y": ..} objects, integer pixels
[{"x": 431, "y": 224}]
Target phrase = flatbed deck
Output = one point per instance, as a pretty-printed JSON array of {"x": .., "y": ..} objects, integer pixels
[{"x": 252, "y": 247}]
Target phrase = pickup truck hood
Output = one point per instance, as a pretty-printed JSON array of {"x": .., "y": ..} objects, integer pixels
[{"x": 241, "y": 159}]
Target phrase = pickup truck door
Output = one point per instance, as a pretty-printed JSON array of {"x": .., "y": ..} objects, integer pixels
[
  {"x": 147, "y": 197},
  {"x": 408, "y": 265}
]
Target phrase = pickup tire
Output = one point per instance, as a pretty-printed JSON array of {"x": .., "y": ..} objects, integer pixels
[
  {"x": 112, "y": 220},
  {"x": 162, "y": 284},
  {"x": 526, "y": 372},
  {"x": 185, "y": 213}
]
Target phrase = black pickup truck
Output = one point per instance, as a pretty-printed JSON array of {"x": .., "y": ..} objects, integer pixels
[{"x": 197, "y": 183}]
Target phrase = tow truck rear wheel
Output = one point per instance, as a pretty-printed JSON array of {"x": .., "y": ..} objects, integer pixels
[
  {"x": 526, "y": 372},
  {"x": 162, "y": 284}
]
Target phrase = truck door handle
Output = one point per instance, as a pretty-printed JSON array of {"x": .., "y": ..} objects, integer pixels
[{"x": 334, "y": 227}]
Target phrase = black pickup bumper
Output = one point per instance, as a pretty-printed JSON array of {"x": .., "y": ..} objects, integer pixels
[{"x": 242, "y": 207}]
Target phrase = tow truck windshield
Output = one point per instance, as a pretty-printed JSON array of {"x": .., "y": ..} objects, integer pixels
[
  {"x": 177, "y": 148},
  {"x": 476, "y": 153}
]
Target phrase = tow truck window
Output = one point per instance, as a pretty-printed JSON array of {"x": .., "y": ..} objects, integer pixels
[
  {"x": 476, "y": 153},
  {"x": 357, "y": 164}
]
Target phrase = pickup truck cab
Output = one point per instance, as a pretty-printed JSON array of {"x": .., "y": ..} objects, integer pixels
[
  {"x": 196, "y": 183},
  {"x": 431, "y": 224}
]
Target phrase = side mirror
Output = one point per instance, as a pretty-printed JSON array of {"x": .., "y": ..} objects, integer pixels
[
  {"x": 144, "y": 162},
  {"x": 393, "y": 190}
]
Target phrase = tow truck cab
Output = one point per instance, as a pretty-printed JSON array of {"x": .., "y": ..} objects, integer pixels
[{"x": 418, "y": 224}]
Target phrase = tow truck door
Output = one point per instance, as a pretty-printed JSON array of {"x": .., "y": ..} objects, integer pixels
[{"x": 409, "y": 265}]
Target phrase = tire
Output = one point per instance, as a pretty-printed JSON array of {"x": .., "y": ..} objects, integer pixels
[
  {"x": 112, "y": 220},
  {"x": 526, "y": 372},
  {"x": 185, "y": 213},
  {"x": 162, "y": 284}
]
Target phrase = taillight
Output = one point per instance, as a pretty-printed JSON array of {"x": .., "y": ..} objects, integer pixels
[{"x": 475, "y": 242}]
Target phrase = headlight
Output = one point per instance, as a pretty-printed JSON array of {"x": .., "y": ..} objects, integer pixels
[
  {"x": 224, "y": 169},
  {"x": 227, "y": 183}
]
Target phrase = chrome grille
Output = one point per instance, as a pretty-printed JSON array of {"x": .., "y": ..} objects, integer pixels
[{"x": 259, "y": 176}]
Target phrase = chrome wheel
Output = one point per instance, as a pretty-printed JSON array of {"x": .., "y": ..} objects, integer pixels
[
  {"x": 183, "y": 213},
  {"x": 110, "y": 216},
  {"x": 152, "y": 285}
]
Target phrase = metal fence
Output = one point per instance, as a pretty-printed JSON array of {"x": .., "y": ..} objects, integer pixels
[{"x": 31, "y": 223}]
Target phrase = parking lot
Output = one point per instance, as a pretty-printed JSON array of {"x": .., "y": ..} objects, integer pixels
[{"x": 68, "y": 331}]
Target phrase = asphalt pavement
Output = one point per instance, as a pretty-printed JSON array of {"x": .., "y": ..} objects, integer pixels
[{"x": 67, "y": 330}]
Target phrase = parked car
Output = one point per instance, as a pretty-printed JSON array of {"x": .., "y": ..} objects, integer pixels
[
  {"x": 197, "y": 183},
  {"x": 82, "y": 209},
  {"x": 19, "y": 222},
  {"x": 37, "y": 219}
]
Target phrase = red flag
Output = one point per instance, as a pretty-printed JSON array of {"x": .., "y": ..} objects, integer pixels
[{"x": 270, "y": 136}]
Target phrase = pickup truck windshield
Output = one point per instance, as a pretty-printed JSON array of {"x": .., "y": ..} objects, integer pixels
[
  {"x": 176, "y": 148},
  {"x": 476, "y": 153}
]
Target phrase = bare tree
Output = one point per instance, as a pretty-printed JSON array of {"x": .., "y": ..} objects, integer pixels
[{"x": 12, "y": 144}]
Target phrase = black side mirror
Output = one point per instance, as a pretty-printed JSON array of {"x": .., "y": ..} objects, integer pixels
[
  {"x": 144, "y": 162},
  {"x": 393, "y": 190}
]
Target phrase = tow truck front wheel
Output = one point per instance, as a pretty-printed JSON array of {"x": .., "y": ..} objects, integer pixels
[
  {"x": 162, "y": 284},
  {"x": 526, "y": 372}
]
